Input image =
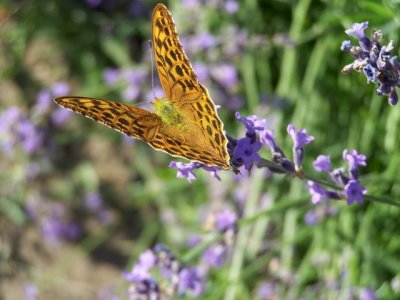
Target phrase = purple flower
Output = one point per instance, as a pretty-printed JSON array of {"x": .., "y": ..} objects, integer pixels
[
  {"x": 225, "y": 220},
  {"x": 131, "y": 93},
  {"x": 231, "y": 6},
  {"x": 215, "y": 255},
  {"x": 312, "y": 217},
  {"x": 252, "y": 123},
  {"x": 94, "y": 3},
  {"x": 30, "y": 291},
  {"x": 370, "y": 73},
  {"x": 354, "y": 192},
  {"x": 201, "y": 71},
  {"x": 185, "y": 170},
  {"x": 346, "y": 45},
  {"x": 355, "y": 160},
  {"x": 300, "y": 138},
  {"x": 193, "y": 240},
  {"x": 147, "y": 259},
  {"x": 29, "y": 136},
  {"x": 111, "y": 76},
  {"x": 266, "y": 290},
  {"x": 93, "y": 201},
  {"x": 368, "y": 294},
  {"x": 374, "y": 60},
  {"x": 43, "y": 102},
  {"x": 190, "y": 282},
  {"x": 59, "y": 89},
  {"x": 246, "y": 152},
  {"x": 60, "y": 116},
  {"x": 357, "y": 30},
  {"x": 322, "y": 163},
  {"x": 137, "y": 274},
  {"x": 213, "y": 170},
  {"x": 318, "y": 193},
  {"x": 226, "y": 75}
]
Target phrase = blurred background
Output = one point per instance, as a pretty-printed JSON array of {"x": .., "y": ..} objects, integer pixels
[{"x": 79, "y": 202}]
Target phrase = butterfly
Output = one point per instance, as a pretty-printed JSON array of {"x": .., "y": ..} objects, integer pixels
[{"x": 185, "y": 123}]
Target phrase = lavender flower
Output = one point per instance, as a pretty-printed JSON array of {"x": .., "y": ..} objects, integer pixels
[
  {"x": 215, "y": 256},
  {"x": 354, "y": 192},
  {"x": 374, "y": 60},
  {"x": 318, "y": 193},
  {"x": 185, "y": 170},
  {"x": 252, "y": 123},
  {"x": 246, "y": 152},
  {"x": 355, "y": 160},
  {"x": 300, "y": 139},
  {"x": 368, "y": 294},
  {"x": 226, "y": 75},
  {"x": 322, "y": 163},
  {"x": 59, "y": 89},
  {"x": 225, "y": 220},
  {"x": 30, "y": 291},
  {"x": 93, "y": 201},
  {"x": 191, "y": 282},
  {"x": 111, "y": 76}
]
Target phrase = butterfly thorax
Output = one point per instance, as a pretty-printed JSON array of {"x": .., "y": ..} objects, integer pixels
[{"x": 168, "y": 113}]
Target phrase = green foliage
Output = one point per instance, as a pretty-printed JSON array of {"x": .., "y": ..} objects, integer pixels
[{"x": 289, "y": 67}]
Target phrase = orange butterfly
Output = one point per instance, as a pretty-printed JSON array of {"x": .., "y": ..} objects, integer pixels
[{"x": 185, "y": 123}]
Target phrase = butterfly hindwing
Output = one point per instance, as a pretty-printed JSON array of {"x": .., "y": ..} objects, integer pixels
[{"x": 128, "y": 119}]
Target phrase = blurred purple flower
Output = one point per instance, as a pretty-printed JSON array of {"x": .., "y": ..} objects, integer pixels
[
  {"x": 59, "y": 89},
  {"x": 190, "y": 3},
  {"x": 368, "y": 294},
  {"x": 147, "y": 259},
  {"x": 354, "y": 192},
  {"x": 266, "y": 290},
  {"x": 131, "y": 92},
  {"x": 60, "y": 116},
  {"x": 30, "y": 291},
  {"x": 94, "y": 3},
  {"x": 231, "y": 6},
  {"x": 111, "y": 76},
  {"x": 93, "y": 201},
  {"x": 134, "y": 76},
  {"x": 225, "y": 220},
  {"x": 193, "y": 240},
  {"x": 214, "y": 255},
  {"x": 137, "y": 274},
  {"x": 311, "y": 217},
  {"x": 226, "y": 75},
  {"x": 185, "y": 170},
  {"x": 318, "y": 193},
  {"x": 190, "y": 282},
  {"x": 43, "y": 101},
  {"x": 29, "y": 135},
  {"x": 246, "y": 152},
  {"x": 201, "y": 71},
  {"x": 322, "y": 163}
]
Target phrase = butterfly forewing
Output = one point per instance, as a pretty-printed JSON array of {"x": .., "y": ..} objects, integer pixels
[{"x": 181, "y": 85}]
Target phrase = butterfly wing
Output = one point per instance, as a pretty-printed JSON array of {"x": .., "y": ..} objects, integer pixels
[
  {"x": 128, "y": 119},
  {"x": 181, "y": 85}
]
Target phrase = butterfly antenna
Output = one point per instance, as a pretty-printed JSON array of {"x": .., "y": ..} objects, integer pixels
[{"x": 152, "y": 67}]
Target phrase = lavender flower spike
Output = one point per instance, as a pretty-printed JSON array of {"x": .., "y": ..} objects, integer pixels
[
  {"x": 357, "y": 30},
  {"x": 322, "y": 163}
]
